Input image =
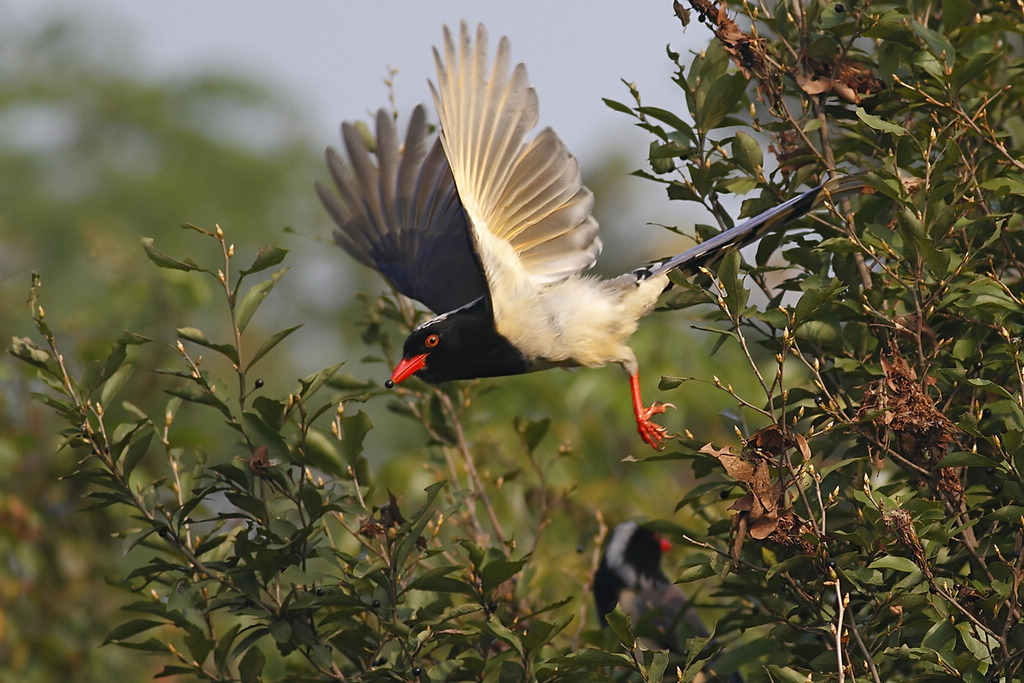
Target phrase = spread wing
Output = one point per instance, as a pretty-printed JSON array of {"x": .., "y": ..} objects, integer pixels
[
  {"x": 528, "y": 210},
  {"x": 402, "y": 215}
]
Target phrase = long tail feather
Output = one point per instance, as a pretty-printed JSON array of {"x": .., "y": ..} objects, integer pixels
[{"x": 776, "y": 218}]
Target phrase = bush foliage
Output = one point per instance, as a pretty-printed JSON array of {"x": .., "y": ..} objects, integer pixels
[{"x": 864, "y": 525}]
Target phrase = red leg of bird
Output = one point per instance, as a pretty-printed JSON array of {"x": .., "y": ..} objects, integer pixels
[{"x": 653, "y": 434}]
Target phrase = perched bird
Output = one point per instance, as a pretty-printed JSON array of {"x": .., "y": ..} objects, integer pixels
[
  {"x": 630, "y": 574},
  {"x": 492, "y": 229}
]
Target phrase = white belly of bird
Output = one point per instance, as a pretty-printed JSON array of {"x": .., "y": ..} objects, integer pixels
[{"x": 579, "y": 321}]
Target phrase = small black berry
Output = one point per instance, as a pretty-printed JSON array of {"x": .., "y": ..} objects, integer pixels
[
  {"x": 990, "y": 471},
  {"x": 258, "y": 384},
  {"x": 375, "y": 604},
  {"x": 416, "y": 671},
  {"x": 839, "y": 8}
]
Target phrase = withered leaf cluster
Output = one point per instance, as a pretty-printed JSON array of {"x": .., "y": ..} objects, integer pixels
[
  {"x": 763, "y": 512},
  {"x": 904, "y": 421}
]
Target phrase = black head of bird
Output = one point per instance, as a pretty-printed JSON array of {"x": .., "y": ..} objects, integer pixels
[
  {"x": 492, "y": 229},
  {"x": 630, "y": 573},
  {"x": 462, "y": 344}
]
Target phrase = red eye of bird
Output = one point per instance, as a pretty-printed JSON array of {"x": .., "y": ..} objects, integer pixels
[{"x": 432, "y": 341}]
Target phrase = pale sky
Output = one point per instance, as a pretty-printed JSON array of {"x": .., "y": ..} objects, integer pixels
[{"x": 332, "y": 56}]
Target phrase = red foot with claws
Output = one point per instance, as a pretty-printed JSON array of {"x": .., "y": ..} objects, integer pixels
[{"x": 653, "y": 434}]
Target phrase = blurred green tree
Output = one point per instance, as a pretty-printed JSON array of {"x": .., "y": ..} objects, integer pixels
[{"x": 93, "y": 158}]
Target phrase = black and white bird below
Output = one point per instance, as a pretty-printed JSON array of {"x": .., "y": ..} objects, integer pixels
[
  {"x": 492, "y": 229},
  {"x": 630, "y": 574}
]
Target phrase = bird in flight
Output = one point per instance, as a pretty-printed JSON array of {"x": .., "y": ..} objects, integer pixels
[{"x": 491, "y": 229}]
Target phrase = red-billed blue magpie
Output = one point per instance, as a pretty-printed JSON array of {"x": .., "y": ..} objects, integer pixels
[
  {"x": 492, "y": 229},
  {"x": 630, "y": 575}
]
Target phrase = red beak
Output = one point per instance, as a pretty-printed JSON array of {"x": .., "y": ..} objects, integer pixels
[
  {"x": 406, "y": 368},
  {"x": 664, "y": 544}
]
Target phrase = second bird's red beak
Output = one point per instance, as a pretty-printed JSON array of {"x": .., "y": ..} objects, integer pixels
[{"x": 406, "y": 368}]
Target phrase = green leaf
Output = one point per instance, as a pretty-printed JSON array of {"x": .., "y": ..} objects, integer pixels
[
  {"x": 659, "y": 662},
  {"x": 131, "y": 628},
  {"x": 324, "y": 453},
  {"x": 498, "y": 571},
  {"x": 717, "y": 99},
  {"x": 619, "y": 623},
  {"x": 138, "y": 448},
  {"x": 438, "y": 579},
  {"x": 531, "y": 431},
  {"x": 164, "y": 261},
  {"x": 115, "y": 383},
  {"x": 954, "y": 14},
  {"x": 269, "y": 344},
  {"x": 965, "y": 459},
  {"x": 879, "y": 123},
  {"x": 354, "y": 429},
  {"x": 309, "y": 385},
  {"x": 251, "y": 666},
  {"x": 665, "y": 116},
  {"x": 813, "y": 299},
  {"x": 248, "y": 504},
  {"x": 1011, "y": 514},
  {"x": 736, "y": 295},
  {"x": 266, "y": 257},
  {"x": 539, "y": 633},
  {"x": 254, "y": 297},
  {"x": 99, "y": 372},
  {"x": 500, "y": 631},
  {"x": 419, "y": 522},
  {"x": 991, "y": 387},
  {"x": 281, "y": 631},
  {"x": 224, "y": 642},
  {"x": 747, "y": 153},
  {"x": 196, "y": 336},
  {"x": 175, "y": 670},
  {"x": 618, "y": 106},
  {"x": 199, "y": 646},
  {"x": 785, "y": 674},
  {"x": 261, "y": 434},
  {"x": 197, "y": 394},
  {"x": 939, "y": 635},
  {"x": 696, "y": 573},
  {"x": 900, "y": 564},
  {"x": 26, "y": 350},
  {"x": 589, "y": 657}
]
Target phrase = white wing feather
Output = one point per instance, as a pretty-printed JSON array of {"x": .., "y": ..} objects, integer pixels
[{"x": 526, "y": 202}]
